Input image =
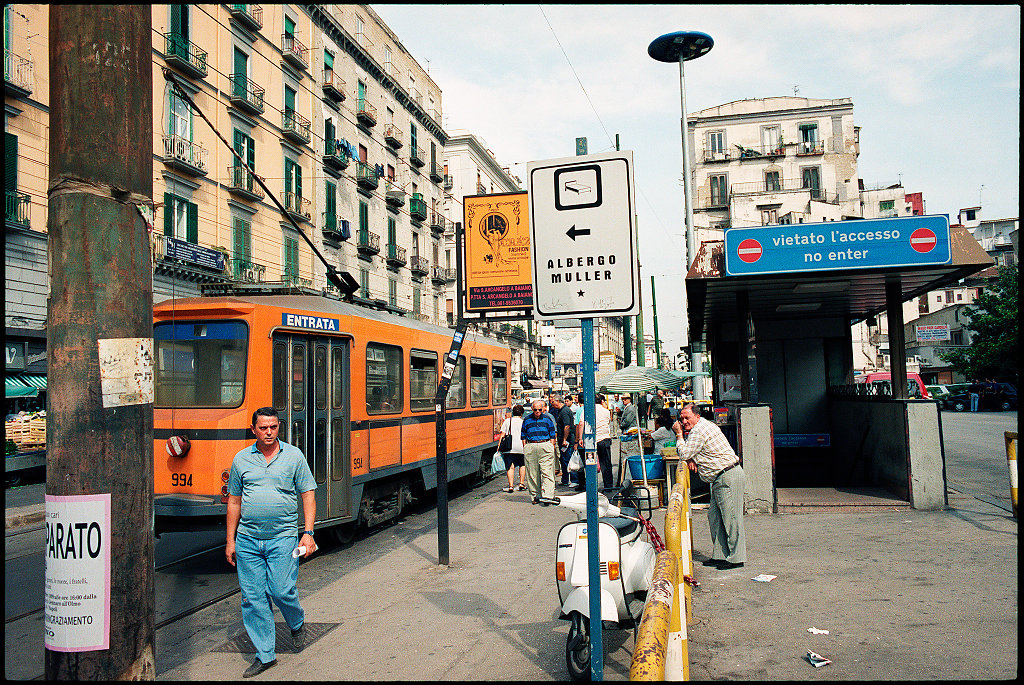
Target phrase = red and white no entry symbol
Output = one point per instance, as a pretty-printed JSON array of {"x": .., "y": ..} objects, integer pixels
[
  {"x": 923, "y": 240},
  {"x": 749, "y": 250}
]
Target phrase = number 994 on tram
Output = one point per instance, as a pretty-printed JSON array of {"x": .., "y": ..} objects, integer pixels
[{"x": 354, "y": 388}]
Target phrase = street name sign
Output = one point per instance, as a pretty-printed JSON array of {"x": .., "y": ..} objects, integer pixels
[
  {"x": 583, "y": 236},
  {"x": 838, "y": 245}
]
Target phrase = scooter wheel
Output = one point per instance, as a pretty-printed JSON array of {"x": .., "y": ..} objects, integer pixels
[{"x": 577, "y": 647}]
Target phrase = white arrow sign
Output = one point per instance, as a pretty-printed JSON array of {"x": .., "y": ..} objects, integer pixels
[{"x": 583, "y": 237}]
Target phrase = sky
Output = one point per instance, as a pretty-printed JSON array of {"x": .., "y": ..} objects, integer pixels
[{"x": 935, "y": 90}]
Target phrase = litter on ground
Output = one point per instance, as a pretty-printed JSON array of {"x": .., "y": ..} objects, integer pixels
[
  {"x": 817, "y": 631},
  {"x": 764, "y": 578},
  {"x": 817, "y": 660}
]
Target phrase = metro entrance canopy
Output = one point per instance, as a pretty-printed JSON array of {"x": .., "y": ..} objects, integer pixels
[{"x": 851, "y": 288}]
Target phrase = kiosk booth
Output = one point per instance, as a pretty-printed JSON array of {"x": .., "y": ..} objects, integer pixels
[{"x": 774, "y": 306}]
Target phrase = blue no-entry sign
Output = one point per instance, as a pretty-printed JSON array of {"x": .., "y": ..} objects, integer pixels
[{"x": 838, "y": 245}]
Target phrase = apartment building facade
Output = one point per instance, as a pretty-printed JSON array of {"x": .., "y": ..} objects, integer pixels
[{"x": 322, "y": 102}]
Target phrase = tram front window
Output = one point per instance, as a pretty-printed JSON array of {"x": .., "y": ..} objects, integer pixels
[{"x": 200, "y": 364}]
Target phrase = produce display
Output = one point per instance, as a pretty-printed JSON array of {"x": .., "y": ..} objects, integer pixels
[{"x": 27, "y": 430}]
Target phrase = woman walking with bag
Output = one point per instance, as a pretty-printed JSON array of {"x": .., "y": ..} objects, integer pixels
[{"x": 511, "y": 432}]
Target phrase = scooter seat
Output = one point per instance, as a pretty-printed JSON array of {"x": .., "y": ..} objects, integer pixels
[{"x": 623, "y": 526}]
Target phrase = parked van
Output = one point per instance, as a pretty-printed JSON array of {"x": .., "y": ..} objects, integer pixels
[{"x": 915, "y": 386}]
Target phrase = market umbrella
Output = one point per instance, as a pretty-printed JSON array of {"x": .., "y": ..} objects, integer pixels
[{"x": 635, "y": 378}]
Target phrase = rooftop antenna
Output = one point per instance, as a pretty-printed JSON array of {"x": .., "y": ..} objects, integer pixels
[
  {"x": 796, "y": 89},
  {"x": 980, "y": 188}
]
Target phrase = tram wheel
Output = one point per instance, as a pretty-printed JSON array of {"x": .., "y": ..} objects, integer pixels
[{"x": 344, "y": 533}]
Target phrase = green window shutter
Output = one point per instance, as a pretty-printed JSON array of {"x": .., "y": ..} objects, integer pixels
[
  {"x": 298, "y": 181},
  {"x": 289, "y": 99},
  {"x": 239, "y": 146},
  {"x": 332, "y": 194},
  {"x": 288, "y": 166},
  {"x": 392, "y": 238},
  {"x": 364, "y": 217},
  {"x": 328, "y": 136},
  {"x": 192, "y": 225},
  {"x": 433, "y": 154},
  {"x": 168, "y": 214},
  {"x": 328, "y": 61},
  {"x": 176, "y": 23},
  {"x": 289, "y": 27},
  {"x": 237, "y": 244},
  {"x": 10, "y": 161}
]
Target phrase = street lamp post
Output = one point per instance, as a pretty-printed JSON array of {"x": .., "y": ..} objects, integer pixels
[{"x": 682, "y": 46}]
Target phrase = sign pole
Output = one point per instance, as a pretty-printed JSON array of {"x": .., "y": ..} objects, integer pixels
[{"x": 590, "y": 468}]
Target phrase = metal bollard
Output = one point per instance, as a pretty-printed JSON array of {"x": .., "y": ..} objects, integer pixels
[
  {"x": 649, "y": 654},
  {"x": 677, "y": 541},
  {"x": 1011, "y": 463}
]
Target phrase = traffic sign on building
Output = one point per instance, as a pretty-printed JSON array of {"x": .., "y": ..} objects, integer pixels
[{"x": 583, "y": 236}]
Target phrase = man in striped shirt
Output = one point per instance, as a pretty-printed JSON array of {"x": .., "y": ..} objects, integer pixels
[
  {"x": 538, "y": 435},
  {"x": 708, "y": 453}
]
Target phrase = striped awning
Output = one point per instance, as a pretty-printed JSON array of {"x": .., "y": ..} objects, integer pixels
[
  {"x": 635, "y": 378},
  {"x": 24, "y": 385}
]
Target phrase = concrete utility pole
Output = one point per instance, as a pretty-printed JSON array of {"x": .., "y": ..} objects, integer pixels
[{"x": 100, "y": 334}]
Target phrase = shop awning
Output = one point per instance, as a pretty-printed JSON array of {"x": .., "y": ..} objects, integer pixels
[
  {"x": 15, "y": 388},
  {"x": 34, "y": 380}
]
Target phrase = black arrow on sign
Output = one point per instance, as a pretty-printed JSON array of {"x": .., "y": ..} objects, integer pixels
[{"x": 573, "y": 231}]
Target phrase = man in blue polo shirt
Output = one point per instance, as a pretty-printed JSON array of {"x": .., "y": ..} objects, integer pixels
[
  {"x": 265, "y": 480},
  {"x": 538, "y": 435}
]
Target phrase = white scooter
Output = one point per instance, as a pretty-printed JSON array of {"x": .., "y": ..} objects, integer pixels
[{"x": 626, "y": 564}]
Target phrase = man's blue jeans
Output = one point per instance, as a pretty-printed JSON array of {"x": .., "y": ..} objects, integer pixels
[
  {"x": 266, "y": 570},
  {"x": 974, "y": 401}
]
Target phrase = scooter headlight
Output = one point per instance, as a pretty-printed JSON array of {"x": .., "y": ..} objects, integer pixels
[{"x": 560, "y": 570}]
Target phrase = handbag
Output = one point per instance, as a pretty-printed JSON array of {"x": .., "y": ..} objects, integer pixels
[
  {"x": 575, "y": 463},
  {"x": 506, "y": 443},
  {"x": 497, "y": 464}
]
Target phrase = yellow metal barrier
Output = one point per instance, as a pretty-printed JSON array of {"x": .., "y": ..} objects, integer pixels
[
  {"x": 649, "y": 654},
  {"x": 1011, "y": 463}
]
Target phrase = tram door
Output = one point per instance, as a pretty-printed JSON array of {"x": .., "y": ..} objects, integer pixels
[{"x": 311, "y": 389}]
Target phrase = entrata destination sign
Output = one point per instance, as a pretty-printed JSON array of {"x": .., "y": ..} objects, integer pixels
[
  {"x": 838, "y": 245},
  {"x": 583, "y": 236}
]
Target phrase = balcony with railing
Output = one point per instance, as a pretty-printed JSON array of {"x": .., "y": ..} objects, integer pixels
[
  {"x": 17, "y": 206},
  {"x": 419, "y": 265},
  {"x": 294, "y": 52},
  {"x": 296, "y": 280},
  {"x": 417, "y": 207},
  {"x": 481, "y": 189},
  {"x": 393, "y": 136},
  {"x": 366, "y": 114},
  {"x": 438, "y": 223},
  {"x": 245, "y": 271},
  {"x": 180, "y": 53},
  {"x": 297, "y": 206},
  {"x": 441, "y": 275},
  {"x": 332, "y": 228},
  {"x": 366, "y": 176},
  {"x": 333, "y": 86},
  {"x": 394, "y": 194},
  {"x": 415, "y": 156},
  {"x": 448, "y": 182},
  {"x": 335, "y": 154},
  {"x": 810, "y": 147},
  {"x": 295, "y": 126},
  {"x": 249, "y": 16},
  {"x": 436, "y": 172},
  {"x": 245, "y": 94},
  {"x": 19, "y": 73},
  {"x": 395, "y": 255},
  {"x": 368, "y": 243},
  {"x": 242, "y": 182},
  {"x": 768, "y": 187},
  {"x": 183, "y": 154}
]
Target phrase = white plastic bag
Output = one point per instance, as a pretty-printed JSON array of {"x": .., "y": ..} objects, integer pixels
[{"x": 575, "y": 463}]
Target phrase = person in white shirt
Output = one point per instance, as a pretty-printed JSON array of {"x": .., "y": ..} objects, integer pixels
[
  {"x": 513, "y": 426},
  {"x": 603, "y": 440}
]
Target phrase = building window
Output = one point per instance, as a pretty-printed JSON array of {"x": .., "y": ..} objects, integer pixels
[
  {"x": 181, "y": 218},
  {"x": 887, "y": 208},
  {"x": 811, "y": 177},
  {"x": 771, "y": 138},
  {"x": 392, "y": 292},
  {"x": 180, "y": 123},
  {"x": 416, "y": 294},
  {"x": 391, "y": 173},
  {"x": 808, "y": 138},
  {"x": 331, "y": 206},
  {"x": 245, "y": 146},
  {"x": 291, "y": 257},
  {"x": 360, "y": 31},
  {"x": 241, "y": 239},
  {"x": 769, "y": 217},
  {"x": 412, "y": 136},
  {"x": 969, "y": 215},
  {"x": 716, "y": 144},
  {"x": 387, "y": 60},
  {"x": 240, "y": 83},
  {"x": 719, "y": 191},
  {"x": 364, "y": 284},
  {"x": 292, "y": 182},
  {"x": 364, "y": 218},
  {"x": 949, "y": 297},
  {"x": 773, "y": 180}
]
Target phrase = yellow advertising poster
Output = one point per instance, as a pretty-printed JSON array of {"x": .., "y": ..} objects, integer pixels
[{"x": 498, "y": 267}]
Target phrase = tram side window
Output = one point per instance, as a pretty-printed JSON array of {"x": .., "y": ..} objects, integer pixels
[
  {"x": 478, "y": 396},
  {"x": 383, "y": 379},
  {"x": 457, "y": 391},
  {"x": 200, "y": 364},
  {"x": 280, "y": 382},
  {"x": 499, "y": 383},
  {"x": 422, "y": 380}
]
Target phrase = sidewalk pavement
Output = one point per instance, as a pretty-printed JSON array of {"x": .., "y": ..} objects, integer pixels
[{"x": 903, "y": 594}]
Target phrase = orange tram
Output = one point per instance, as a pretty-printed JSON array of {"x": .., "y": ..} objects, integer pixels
[{"x": 355, "y": 390}]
